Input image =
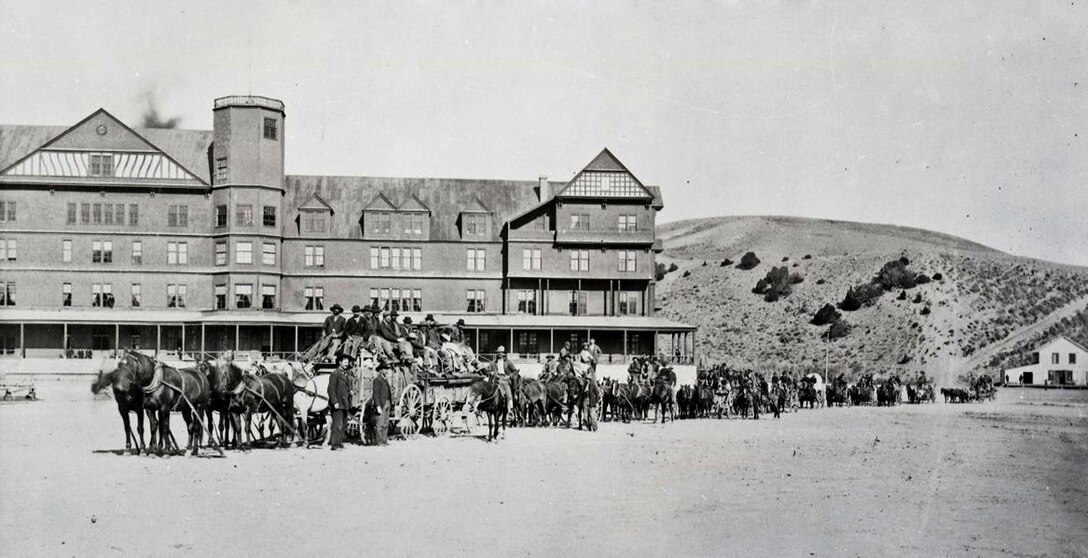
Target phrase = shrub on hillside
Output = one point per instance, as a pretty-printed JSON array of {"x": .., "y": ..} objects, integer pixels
[
  {"x": 673, "y": 267},
  {"x": 917, "y": 298},
  {"x": 727, "y": 262},
  {"x": 937, "y": 276},
  {"x": 820, "y": 281},
  {"x": 922, "y": 279},
  {"x": 785, "y": 259},
  {"x": 704, "y": 263},
  {"x": 660, "y": 271},
  {"x": 902, "y": 295},
  {"x": 807, "y": 257},
  {"x": 795, "y": 278},
  {"x": 895, "y": 275},
  {"x": 838, "y": 329},
  {"x": 925, "y": 311},
  {"x": 861, "y": 295},
  {"x": 775, "y": 285},
  {"x": 748, "y": 261},
  {"x": 687, "y": 273},
  {"x": 825, "y": 315}
]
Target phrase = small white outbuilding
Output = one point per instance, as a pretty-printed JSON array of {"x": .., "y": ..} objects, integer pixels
[{"x": 1059, "y": 362}]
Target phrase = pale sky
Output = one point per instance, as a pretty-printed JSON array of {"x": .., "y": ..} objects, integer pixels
[{"x": 969, "y": 118}]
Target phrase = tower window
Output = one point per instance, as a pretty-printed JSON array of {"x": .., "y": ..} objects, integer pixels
[
  {"x": 270, "y": 131},
  {"x": 101, "y": 164}
]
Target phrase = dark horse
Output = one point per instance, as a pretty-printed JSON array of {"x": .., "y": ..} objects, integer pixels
[
  {"x": 661, "y": 395},
  {"x": 130, "y": 399},
  {"x": 271, "y": 393},
  {"x": 224, "y": 377},
  {"x": 164, "y": 390},
  {"x": 491, "y": 401}
]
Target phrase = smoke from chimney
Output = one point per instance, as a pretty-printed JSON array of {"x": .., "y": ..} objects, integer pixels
[{"x": 151, "y": 116}]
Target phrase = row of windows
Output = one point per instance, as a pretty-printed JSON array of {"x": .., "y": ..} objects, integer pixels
[
  {"x": 624, "y": 223},
  {"x": 579, "y": 260},
  {"x": 243, "y": 296},
  {"x": 1055, "y": 358},
  {"x": 243, "y": 215},
  {"x": 110, "y": 214},
  {"x": 382, "y": 223},
  {"x": 396, "y": 258},
  {"x": 243, "y": 253},
  {"x": 627, "y": 303}
]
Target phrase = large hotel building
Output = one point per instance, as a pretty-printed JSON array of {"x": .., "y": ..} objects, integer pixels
[{"x": 196, "y": 241}]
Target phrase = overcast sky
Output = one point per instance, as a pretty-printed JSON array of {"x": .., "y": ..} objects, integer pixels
[{"x": 969, "y": 118}]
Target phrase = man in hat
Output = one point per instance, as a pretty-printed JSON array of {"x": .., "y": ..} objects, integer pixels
[
  {"x": 354, "y": 332},
  {"x": 551, "y": 368},
  {"x": 382, "y": 399},
  {"x": 564, "y": 352},
  {"x": 339, "y": 400},
  {"x": 457, "y": 332},
  {"x": 333, "y": 329},
  {"x": 415, "y": 341},
  {"x": 634, "y": 371},
  {"x": 389, "y": 334},
  {"x": 501, "y": 370}
]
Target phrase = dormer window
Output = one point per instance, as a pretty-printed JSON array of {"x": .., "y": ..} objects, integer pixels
[
  {"x": 101, "y": 164},
  {"x": 314, "y": 222},
  {"x": 382, "y": 222},
  {"x": 475, "y": 224}
]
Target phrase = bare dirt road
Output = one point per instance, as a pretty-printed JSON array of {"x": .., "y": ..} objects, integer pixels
[{"x": 1004, "y": 478}]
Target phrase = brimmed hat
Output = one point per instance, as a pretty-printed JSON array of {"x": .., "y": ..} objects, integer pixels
[
  {"x": 501, "y": 349},
  {"x": 461, "y": 321},
  {"x": 367, "y": 310},
  {"x": 394, "y": 313},
  {"x": 407, "y": 319},
  {"x": 342, "y": 356},
  {"x": 336, "y": 308},
  {"x": 355, "y": 309},
  {"x": 374, "y": 308},
  {"x": 551, "y": 357},
  {"x": 429, "y": 318}
]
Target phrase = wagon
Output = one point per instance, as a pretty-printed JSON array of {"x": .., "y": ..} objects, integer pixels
[{"x": 21, "y": 390}]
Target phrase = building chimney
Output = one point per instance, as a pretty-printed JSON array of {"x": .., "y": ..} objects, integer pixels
[{"x": 542, "y": 188}]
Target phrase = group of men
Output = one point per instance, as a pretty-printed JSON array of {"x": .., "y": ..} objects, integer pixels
[{"x": 392, "y": 341}]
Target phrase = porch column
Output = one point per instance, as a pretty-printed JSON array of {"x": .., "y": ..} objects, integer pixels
[
  {"x": 237, "y": 336},
  {"x": 158, "y": 339},
  {"x": 477, "y": 342},
  {"x": 296, "y": 338},
  {"x": 625, "y": 345},
  {"x": 64, "y": 341},
  {"x": 182, "y": 340},
  {"x": 653, "y": 349},
  {"x": 202, "y": 340},
  {"x": 551, "y": 340},
  {"x": 510, "y": 349},
  {"x": 116, "y": 338},
  {"x": 271, "y": 340},
  {"x": 22, "y": 340}
]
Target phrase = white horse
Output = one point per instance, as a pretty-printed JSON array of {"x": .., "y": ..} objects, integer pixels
[{"x": 312, "y": 393}]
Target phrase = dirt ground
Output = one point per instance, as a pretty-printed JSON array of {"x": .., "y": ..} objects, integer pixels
[{"x": 1003, "y": 478}]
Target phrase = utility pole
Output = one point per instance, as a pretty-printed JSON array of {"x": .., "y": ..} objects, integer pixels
[{"x": 827, "y": 354}]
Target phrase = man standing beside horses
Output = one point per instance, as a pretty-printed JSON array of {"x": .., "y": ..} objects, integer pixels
[
  {"x": 382, "y": 400},
  {"x": 339, "y": 400}
]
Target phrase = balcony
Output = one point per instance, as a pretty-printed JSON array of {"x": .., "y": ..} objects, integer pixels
[{"x": 609, "y": 237}]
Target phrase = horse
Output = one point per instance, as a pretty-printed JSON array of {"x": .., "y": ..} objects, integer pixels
[
  {"x": 489, "y": 398},
  {"x": 135, "y": 371},
  {"x": 661, "y": 400},
  {"x": 188, "y": 389},
  {"x": 271, "y": 393},
  {"x": 224, "y": 377},
  {"x": 575, "y": 394},
  {"x": 555, "y": 401},
  {"x": 807, "y": 394},
  {"x": 129, "y": 398},
  {"x": 532, "y": 398}
]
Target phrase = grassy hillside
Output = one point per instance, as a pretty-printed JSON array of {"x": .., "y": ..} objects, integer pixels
[{"x": 982, "y": 308}]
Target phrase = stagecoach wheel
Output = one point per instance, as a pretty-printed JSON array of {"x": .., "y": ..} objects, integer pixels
[
  {"x": 440, "y": 417},
  {"x": 410, "y": 413},
  {"x": 599, "y": 410}
]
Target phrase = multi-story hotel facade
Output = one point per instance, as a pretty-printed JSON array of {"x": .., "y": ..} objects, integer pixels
[{"x": 196, "y": 242}]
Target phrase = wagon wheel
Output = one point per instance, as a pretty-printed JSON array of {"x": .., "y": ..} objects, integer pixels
[
  {"x": 410, "y": 411},
  {"x": 599, "y": 411},
  {"x": 440, "y": 417}
]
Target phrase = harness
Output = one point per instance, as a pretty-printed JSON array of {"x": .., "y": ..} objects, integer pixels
[
  {"x": 157, "y": 383},
  {"x": 271, "y": 408}
]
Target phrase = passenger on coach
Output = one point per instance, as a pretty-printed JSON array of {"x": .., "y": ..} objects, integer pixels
[
  {"x": 389, "y": 334},
  {"x": 353, "y": 330},
  {"x": 634, "y": 370},
  {"x": 564, "y": 352},
  {"x": 333, "y": 330},
  {"x": 551, "y": 369},
  {"x": 457, "y": 332},
  {"x": 416, "y": 340}
]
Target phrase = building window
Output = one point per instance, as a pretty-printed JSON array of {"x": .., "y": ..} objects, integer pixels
[
  {"x": 1055, "y": 358},
  {"x": 177, "y": 253},
  {"x": 243, "y": 296},
  {"x": 628, "y": 304},
  {"x": 222, "y": 176},
  {"x": 315, "y": 256},
  {"x": 102, "y": 251},
  {"x": 268, "y": 254},
  {"x": 527, "y": 302},
  {"x": 119, "y": 210},
  {"x": 394, "y": 258},
  {"x": 530, "y": 259},
  {"x": 220, "y": 216},
  {"x": 268, "y": 297},
  {"x": 527, "y": 343},
  {"x": 101, "y": 164},
  {"x": 315, "y": 298},
  {"x": 475, "y": 224},
  {"x": 10, "y": 212},
  {"x": 1072, "y": 358},
  {"x": 417, "y": 300},
  {"x": 374, "y": 297},
  {"x": 11, "y": 253},
  {"x": 417, "y": 259},
  {"x": 243, "y": 215},
  {"x": 107, "y": 214},
  {"x": 177, "y": 216},
  {"x": 579, "y": 222},
  {"x": 220, "y": 297},
  {"x": 476, "y": 259},
  {"x": 384, "y": 299},
  {"x": 579, "y": 260},
  {"x": 96, "y": 213},
  {"x": 84, "y": 213},
  {"x": 628, "y": 223},
  {"x": 577, "y": 303},
  {"x": 313, "y": 221},
  {"x": 627, "y": 260},
  {"x": 133, "y": 214},
  {"x": 102, "y": 295},
  {"x": 66, "y": 294},
  {"x": 136, "y": 295},
  {"x": 270, "y": 131},
  {"x": 220, "y": 253},
  {"x": 382, "y": 223},
  {"x": 175, "y": 296},
  {"x": 7, "y": 293},
  {"x": 268, "y": 219},
  {"x": 137, "y": 252},
  {"x": 71, "y": 214},
  {"x": 414, "y": 224},
  {"x": 243, "y": 252},
  {"x": 96, "y": 295},
  {"x": 395, "y": 300},
  {"x": 66, "y": 251},
  {"x": 475, "y": 300}
]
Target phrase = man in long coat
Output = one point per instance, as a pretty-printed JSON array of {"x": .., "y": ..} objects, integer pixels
[
  {"x": 339, "y": 400},
  {"x": 382, "y": 398}
]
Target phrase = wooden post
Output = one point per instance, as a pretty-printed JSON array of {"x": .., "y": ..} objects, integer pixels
[
  {"x": 202, "y": 340},
  {"x": 116, "y": 338},
  {"x": 64, "y": 341},
  {"x": 271, "y": 340},
  {"x": 296, "y": 338},
  {"x": 22, "y": 340},
  {"x": 237, "y": 336},
  {"x": 158, "y": 339},
  {"x": 182, "y": 340},
  {"x": 551, "y": 340},
  {"x": 477, "y": 343},
  {"x": 510, "y": 349},
  {"x": 625, "y": 345}
]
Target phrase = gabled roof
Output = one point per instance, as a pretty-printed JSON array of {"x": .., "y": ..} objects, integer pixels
[
  {"x": 594, "y": 181},
  {"x": 414, "y": 205},
  {"x": 99, "y": 131},
  {"x": 380, "y": 203},
  {"x": 477, "y": 206},
  {"x": 315, "y": 202},
  {"x": 1061, "y": 337}
]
